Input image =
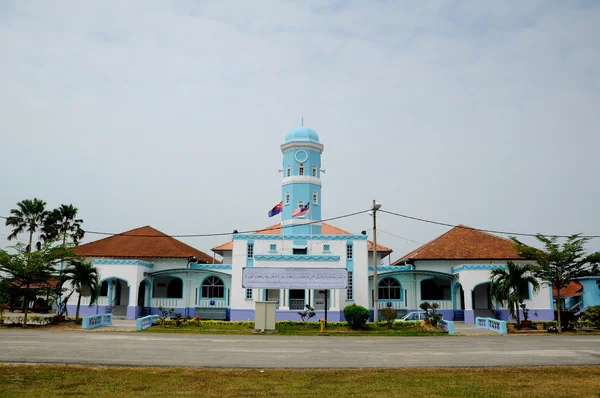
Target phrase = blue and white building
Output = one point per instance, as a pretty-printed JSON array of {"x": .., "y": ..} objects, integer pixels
[{"x": 144, "y": 269}]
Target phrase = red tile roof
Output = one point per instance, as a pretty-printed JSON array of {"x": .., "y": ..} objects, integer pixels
[
  {"x": 141, "y": 243},
  {"x": 326, "y": 229},
  {"x": 572, "y": 289},
  {"x": 464, "y": 243}
]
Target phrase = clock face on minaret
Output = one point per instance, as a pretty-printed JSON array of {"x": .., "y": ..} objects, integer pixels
[{"x": 301, "y": 185}]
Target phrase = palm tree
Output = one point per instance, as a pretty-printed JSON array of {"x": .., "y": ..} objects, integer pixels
[
  {"x": 28, "y": 216},
  {"x": 506, "y": 282},
  {"x": 63, "y": 222},
  {"x": 82, "y": 275}
]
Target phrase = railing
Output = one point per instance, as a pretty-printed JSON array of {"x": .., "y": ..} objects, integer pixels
[
  {"x": 577, "y": 306},
  {"x": 166, "y": 303},
  {"x": 95, "y": 321},
  {"x": 145, "y": 322},
  {"x": 215, "y": 303},
  {"x": 448, "y": 326},
  {"x": 296, "y": 304},
  {"x": 491, "y": 324}
]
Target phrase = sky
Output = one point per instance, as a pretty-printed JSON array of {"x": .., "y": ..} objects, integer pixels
[{"x": 171, "y": 113}]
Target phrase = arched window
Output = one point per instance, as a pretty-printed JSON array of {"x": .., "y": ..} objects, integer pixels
[
  {"x": 389, "y": 289},
  {"x": 314, "y": 174},
  {"x": 300, "y": 203},
  {"x": 167, "y": 287},
  {"x": 287, "y": 198},
  {"x": 315, "y": 198},
  {"x": 213, "y": 287},
  {"x": 288, "y": 171},
  {"x": 104, "y": 289},
  {"x": 301, "y": 169},
  {"x": 435, "y": 289}
]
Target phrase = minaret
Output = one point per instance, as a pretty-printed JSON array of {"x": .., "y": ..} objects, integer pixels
[{"x": 301, "y": 180}]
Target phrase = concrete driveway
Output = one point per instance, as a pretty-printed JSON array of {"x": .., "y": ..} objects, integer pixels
[{"x": 145, "y": 349}]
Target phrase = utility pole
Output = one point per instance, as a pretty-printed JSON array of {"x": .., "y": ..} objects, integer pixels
[{"x": 376, "y": 206}]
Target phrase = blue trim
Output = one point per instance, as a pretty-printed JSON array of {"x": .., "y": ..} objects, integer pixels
[
  {"x": 392, "y": 268},
  {"x": 211, "y": 266},
  {"x": 174, "y": 277},
  {"x": 476, "y": 267},
  {"x": 122, "y": 262},
  {"x": 299, "y": 257},
  {"x": 299, "y": 236},
  {"x": 454, "y": 289}
]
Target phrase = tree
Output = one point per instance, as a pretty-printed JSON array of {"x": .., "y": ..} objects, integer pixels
[
  {"x": 505, "y": 283},
  {"x": 63, "y": 223},
  {"x": 29, "y": 270},
  {"x": 558, "y": 265},
  {"x": 82, "y": 275},
  {"x": 28, "y": 216}
]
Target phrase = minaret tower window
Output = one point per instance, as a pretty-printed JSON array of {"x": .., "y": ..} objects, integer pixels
[
  {"x": 314, "y": 171},
  {"x": 287, "y": 198},
  {"x": 301, "y": 169},
  {"x": 315, "y": 198},
  {"x": 288, "y": 171}
]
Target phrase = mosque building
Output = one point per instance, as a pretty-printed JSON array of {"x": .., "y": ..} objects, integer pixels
[{"x": 144, "y": 269}]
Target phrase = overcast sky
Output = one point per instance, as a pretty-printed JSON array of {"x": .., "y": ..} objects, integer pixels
[{"x": 171, "y": 113}]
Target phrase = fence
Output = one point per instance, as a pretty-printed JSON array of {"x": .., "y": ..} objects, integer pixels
[
  {"x": 145, "y": 322},
  {"x": 491, "y": 324},
  {"x": 95, "y": 321},
  {"x": 448, "y": 326}
]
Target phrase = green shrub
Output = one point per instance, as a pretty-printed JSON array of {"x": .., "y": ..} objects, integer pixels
[
  {"x": 356, "y": 316},
  {"x": 592, "y": 315},
  {"x": 389, "y": 314}
]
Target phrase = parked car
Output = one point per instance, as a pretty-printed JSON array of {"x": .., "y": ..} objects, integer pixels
[{"x": 412, "y": 316}]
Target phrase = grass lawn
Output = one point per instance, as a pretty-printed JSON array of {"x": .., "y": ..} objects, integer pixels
[
  {"x": 84, "y": 381},
  {"x": 297, "y": 330}
]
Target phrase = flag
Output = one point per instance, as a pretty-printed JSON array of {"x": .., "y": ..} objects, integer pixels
[
  {"x": 276, "y": 210},
  {"x": 302, "y": 210}
]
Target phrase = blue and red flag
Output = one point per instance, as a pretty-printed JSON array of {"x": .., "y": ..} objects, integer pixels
[{"x": 276, "y": 210}]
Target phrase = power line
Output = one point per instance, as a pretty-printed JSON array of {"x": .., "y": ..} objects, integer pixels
[
  {"x": 480, "y": 229},
  {"x": 228, "y": 233},
  {"x": 398, "y": 236}
]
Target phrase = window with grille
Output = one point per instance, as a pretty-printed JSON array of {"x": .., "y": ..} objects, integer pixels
[
  {"x": 349, "y": 251},
  {"x": 314, "y": 171},
  {"x": 389, "y": 289},
  {"x": 213, "y": 287},
  {"x": 272, "y": 247},
  {"x": 288, "y": 171},
  {"x": 301, "y": 169},
  {"x": 349, "y": 289},
  {"x": 315, "y": 198},
  {"x": 287, "y": 198},
  {"x": 250, "y": 250},
  {"x": 248, "y": 294},
  {"x": 327, "y": 248}
]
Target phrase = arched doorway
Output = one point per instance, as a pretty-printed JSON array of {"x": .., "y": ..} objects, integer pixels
[
  {"x": 143, "y": 294},
  {"x": 482, "y": 303},
  {"x": 459, "y": 297}
]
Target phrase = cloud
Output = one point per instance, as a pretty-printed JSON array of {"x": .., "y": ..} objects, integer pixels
[{"x": 171, "y": 113}]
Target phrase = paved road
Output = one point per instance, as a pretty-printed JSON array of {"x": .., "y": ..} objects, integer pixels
[{"x": 113, "y": 348}]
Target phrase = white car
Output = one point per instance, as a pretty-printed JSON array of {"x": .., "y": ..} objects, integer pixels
[{"x": 413, "y": 316}]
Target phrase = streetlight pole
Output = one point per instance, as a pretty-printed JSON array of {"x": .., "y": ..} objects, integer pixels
[{"x": 376, "y": 206}]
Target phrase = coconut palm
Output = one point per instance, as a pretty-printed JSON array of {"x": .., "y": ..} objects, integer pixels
[
  {"x": 82, "y": 276},
  {"x": 506, "y": 282},
  {"x": 29, "y": 216},
  {"x": 63, "y": 222}
]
